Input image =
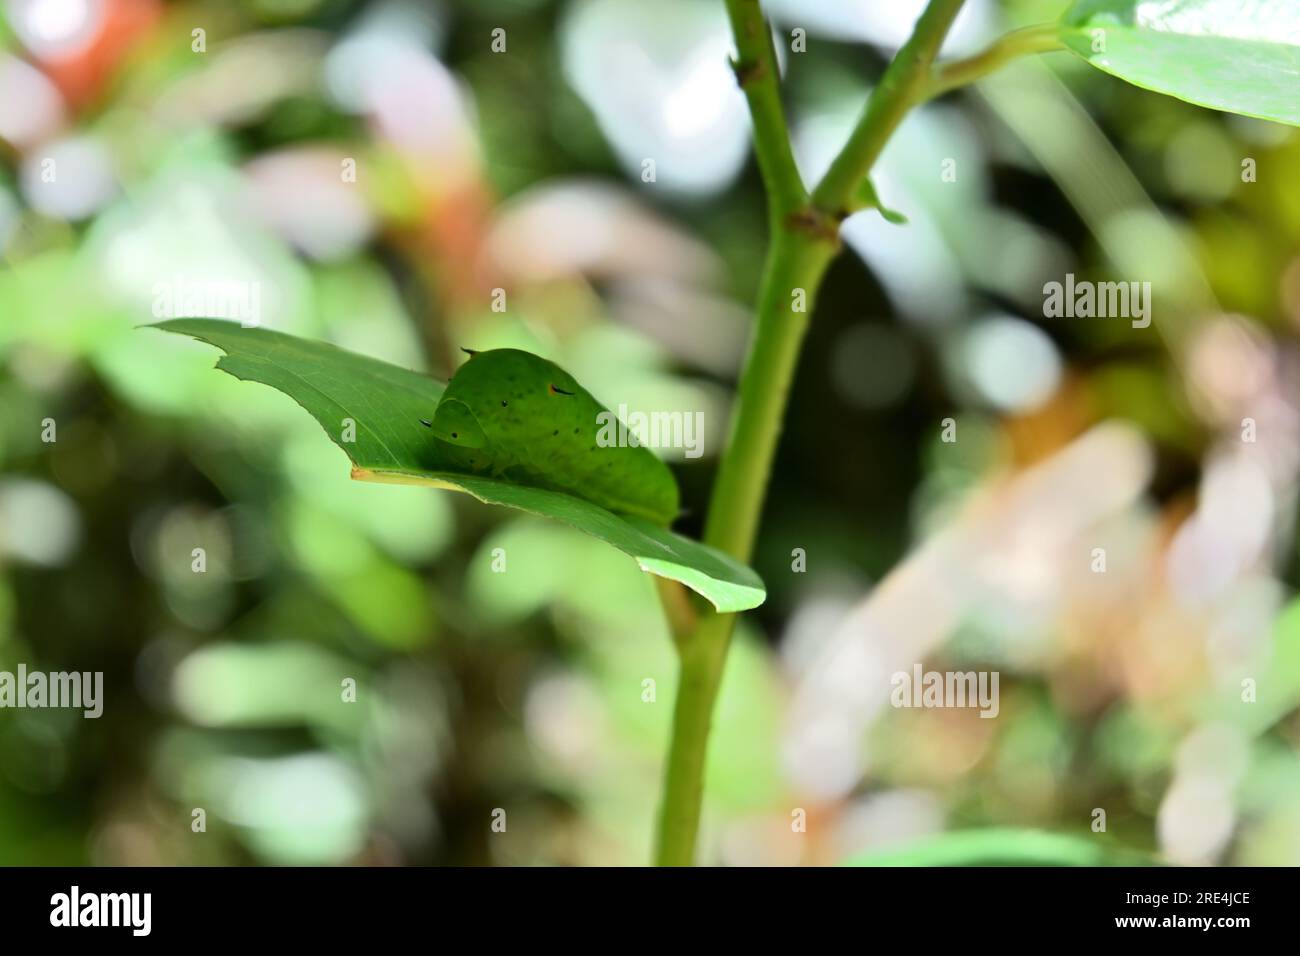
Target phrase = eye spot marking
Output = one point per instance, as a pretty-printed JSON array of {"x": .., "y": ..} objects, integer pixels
[
  {"x": 504, "y": 403},
  {"x": 455, "y": 434}
]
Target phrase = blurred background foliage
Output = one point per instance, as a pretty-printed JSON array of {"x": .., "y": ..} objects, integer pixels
[{"x": 527, "y": 690}]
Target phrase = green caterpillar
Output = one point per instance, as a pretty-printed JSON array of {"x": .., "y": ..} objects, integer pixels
[{"x": 513, "y": 415}]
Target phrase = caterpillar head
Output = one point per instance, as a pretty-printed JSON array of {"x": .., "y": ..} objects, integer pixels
[{"x": 454, "y": 423}]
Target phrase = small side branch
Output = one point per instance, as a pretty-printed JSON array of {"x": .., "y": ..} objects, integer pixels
[
  {"x": 1040, "y": 38},
  {"x": 903, "y": 85}
]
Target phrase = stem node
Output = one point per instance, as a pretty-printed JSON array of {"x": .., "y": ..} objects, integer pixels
[
  {"x": 818, "y": 224},
  {"x": 748, "y": 73}
]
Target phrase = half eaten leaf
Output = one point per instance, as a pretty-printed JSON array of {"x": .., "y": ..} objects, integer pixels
[{"x": 380, "y": 416}]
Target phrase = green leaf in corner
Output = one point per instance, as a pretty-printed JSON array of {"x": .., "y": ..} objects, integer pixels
[
  {"x": 867, "y": 198},
  {"x": 1004, "y": 846},
  {"x": 1242, "y": 56},
  {"x": 390, "y": 422}
]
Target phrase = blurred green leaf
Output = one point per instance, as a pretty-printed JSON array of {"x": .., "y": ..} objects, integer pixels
[
  {"x": 384, "y": 404},
  {"x": 1267, "y": 688},
  {"x": 1003, "y": 846},
  {"x": 1241, "y": 56}
]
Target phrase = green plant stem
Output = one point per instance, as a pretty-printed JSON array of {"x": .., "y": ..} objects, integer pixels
[
  {"x": 701, "y": 660},
  {"x": 759, "y": 77},
  {"x": 1040, "y": 38},
  {"x": 902, "y": 86},
  {"x": 805, "y": 238},
  {"x": 796, "y": 259}
]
